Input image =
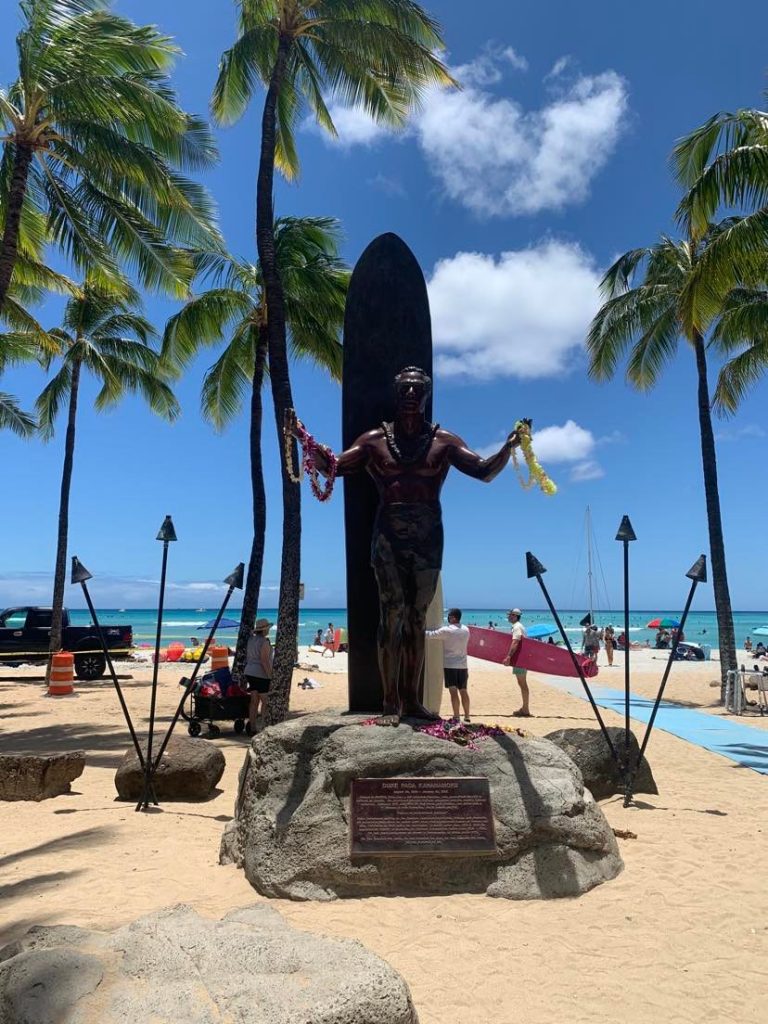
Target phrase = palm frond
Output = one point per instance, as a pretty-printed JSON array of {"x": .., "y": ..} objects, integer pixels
[
  {"x": 49, "y": 403},
  {"x": 739, "y": 374},
  {"x": 230, "y": 378},
  {"x": 13, "y": 417}
]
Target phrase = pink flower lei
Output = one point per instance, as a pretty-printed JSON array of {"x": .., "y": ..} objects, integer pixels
[{"x": 309, "y": 447}]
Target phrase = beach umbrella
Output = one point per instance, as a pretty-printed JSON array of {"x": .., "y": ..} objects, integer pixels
[
  {"x": 224, "y": 624},
  {"x": 761, "y": 631},
  {"x": 541, "y": 629},
  {"x": 663, "y": 624}
]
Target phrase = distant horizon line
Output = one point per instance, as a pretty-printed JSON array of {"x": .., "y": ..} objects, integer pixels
[{"x": 464, "y": 608}]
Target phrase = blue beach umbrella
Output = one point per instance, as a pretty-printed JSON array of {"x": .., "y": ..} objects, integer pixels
[
  {"x": 541, "y": 629},
  {"x": 224, "y": 624}
]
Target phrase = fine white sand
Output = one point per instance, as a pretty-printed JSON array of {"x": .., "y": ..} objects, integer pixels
[{"x": 681, "y": 935}]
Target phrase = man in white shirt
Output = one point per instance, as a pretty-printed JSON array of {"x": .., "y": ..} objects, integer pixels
[
  {"x": 455, "y": 638},
  {"x": 521, "y": 674}
]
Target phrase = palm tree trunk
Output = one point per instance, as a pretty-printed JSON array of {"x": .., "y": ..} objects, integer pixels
[
  {"x": 59, "y": 578},
  {"x": 22, "y": 159},
  {"x": 256, "y": 563},
  {"x": 727, "y": 641},
  {"x": 288, "y": 602}
]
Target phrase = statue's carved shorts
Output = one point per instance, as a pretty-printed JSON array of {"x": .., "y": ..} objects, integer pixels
[{"x": 407, "y": 553}]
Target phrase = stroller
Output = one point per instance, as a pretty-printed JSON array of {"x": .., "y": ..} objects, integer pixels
[{"x": 215, "y": 699}]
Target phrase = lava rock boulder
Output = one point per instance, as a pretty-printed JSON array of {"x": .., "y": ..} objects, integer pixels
[
  {"x": 250, "y": 968},
  {"x": 592, "y": 756},
  {"x": 189, "y": 770},
  {"x": 39, "y": 776},
  {"x": 291, "y": 828}
]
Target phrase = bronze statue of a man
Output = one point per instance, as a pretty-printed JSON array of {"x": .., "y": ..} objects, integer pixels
[{"x": 408, "y": 459}]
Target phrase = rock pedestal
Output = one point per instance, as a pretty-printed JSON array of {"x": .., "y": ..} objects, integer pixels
[
  {"x": 602, "y": 776},
  {"x": 39, "y": 776},
  {"x": 250, "y": 968},
  {"x": 189, "y": 770},
  {"x": 291, "y": 829}
]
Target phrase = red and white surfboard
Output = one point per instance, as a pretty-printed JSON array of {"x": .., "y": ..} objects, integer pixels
[{"x": 493, "y": 645}]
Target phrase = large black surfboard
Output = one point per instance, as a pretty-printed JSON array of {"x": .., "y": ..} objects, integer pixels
[{"x": 386, "y": 327}]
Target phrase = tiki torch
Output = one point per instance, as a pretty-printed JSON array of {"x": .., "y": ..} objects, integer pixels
[
  {"x": 534, "y": 568},
  {"x": 235, "y": 582},
  {"x": 696, "y": 574},
  {"x": 167, "y": 535}
]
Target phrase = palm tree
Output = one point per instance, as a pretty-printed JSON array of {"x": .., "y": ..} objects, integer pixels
[
  {"x": 724, "y": 163},
  {"x": 102, "y": 333},
  {"x": 650, "y": 317},
  {"x": 374, "y": 54},
  {"x": 315, "y": 283},
  {"x": 93, "y": 143}
]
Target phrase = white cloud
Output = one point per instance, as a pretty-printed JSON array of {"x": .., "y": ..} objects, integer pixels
[
  {"x": 558, "y": 67},
  {"x": 389, "y": 186},
  {"x": 750, "y": 430},
  {"x": 499, "y": 160},
  {"x": 518, "y": 62},
  {"x": 523, "y": 314},
  {"x": 585, "y": 471},
  {"x": 569, "y": 443},
  {"x": 354, "y": 127},
  {"x": 494, "y": 157}
]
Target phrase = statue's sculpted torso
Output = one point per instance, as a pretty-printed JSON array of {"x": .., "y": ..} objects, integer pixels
[{"x": 411, "y": 482}]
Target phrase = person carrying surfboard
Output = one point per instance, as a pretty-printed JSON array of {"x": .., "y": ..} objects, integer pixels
[
  {"x": 408, "y": 460},
  {"x": 521, "y": 674}
]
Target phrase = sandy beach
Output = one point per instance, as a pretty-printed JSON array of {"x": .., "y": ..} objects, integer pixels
[{"x": 681, "y": 935}]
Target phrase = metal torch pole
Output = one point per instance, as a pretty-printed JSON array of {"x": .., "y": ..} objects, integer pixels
[
  {"x": 236, "y": 576},
  {"x": 166, "y": 534},
  {"x": 697, "y": 574},
  {"x": 535, "y": 569}
]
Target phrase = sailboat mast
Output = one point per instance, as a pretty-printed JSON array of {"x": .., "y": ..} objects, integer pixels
[{"x": 589, "y": 561}]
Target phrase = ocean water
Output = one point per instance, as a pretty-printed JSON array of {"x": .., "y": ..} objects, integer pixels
[{"x": 183, "y": 623}]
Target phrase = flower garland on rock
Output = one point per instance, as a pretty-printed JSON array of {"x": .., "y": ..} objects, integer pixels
[
  {"x": 309, "y": 448},
  {"x": 536, "y": 474},
  {"x": 461, "y": 733}
]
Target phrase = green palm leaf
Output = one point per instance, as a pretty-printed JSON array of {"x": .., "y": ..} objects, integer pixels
[{"x": 13, "y": 417}]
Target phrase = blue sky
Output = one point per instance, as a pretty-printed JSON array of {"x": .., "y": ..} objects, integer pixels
[{"x": 514, "y": 194}]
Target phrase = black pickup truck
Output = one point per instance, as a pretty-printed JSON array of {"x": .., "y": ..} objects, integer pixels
[{"x": 26, "y": 631}]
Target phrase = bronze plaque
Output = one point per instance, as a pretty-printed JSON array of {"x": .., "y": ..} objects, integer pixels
[{"x": 434, "y": 815}]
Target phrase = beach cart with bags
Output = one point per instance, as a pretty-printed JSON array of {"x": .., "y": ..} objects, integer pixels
[{"x": 212, "y": 700}]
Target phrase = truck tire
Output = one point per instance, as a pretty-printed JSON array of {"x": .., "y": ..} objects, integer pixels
[{"x": 90, "y": 666}]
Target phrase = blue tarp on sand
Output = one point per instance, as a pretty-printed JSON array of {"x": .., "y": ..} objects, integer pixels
[{"x": 744, "y": 744}]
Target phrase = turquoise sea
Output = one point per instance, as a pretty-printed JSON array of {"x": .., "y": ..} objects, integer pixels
[{"x": 183, "y": 623}]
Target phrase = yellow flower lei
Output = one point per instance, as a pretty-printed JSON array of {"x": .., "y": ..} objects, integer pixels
[{"x": 536, "y": 474}]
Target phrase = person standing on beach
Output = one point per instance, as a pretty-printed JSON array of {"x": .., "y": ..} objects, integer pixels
[
  {"x": 455, "y": 638},
  {"x": 258, "y": 671},
  {"x": 521, "y": 674},
  {"x": 610, "y": 643}
]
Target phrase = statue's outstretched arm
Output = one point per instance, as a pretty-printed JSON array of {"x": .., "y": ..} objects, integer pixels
[
  {"x": 469, "y": 462},
  {"x": 350, "y": 461}
]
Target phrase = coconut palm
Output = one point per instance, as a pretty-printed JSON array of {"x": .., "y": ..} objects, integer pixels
[
  {"x": 94, "y": 143},
  {"x": 315, "y": 283},
  {"x": 647, "y": 310},
  {"x": 104, "y": 334},
  {"x": 724, "y": 163},
  {"x": 375, "y": 54},
  {"x": 25, "y": 339}
]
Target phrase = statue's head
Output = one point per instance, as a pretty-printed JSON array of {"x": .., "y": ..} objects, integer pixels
[{"x": 412, "y": 389}]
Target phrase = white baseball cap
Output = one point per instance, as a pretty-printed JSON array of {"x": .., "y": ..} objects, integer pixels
[{"x": 515, "y": 611}]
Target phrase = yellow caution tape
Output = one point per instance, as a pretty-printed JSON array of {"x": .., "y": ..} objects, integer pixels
[{"x": 46, "y": 654}]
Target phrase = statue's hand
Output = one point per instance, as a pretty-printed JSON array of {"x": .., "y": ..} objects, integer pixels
[{"x": 513, "y": 441}]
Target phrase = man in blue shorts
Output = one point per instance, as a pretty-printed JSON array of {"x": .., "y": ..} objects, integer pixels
[{"x": 455, "y": 638}]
